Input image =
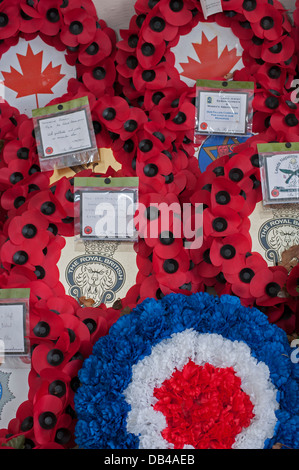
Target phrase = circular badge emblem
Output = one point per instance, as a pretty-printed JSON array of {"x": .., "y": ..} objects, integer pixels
[
  {"x": 87, "y": 230},
  {"x": 49, "y": 150},
  {"x": 275, "y": 193},
  {"x": 203, "y": 126}
]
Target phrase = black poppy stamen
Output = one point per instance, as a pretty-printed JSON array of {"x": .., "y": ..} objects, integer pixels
[
  {"x": 20, "y": 257},
  {"x": 47, "y": 420},
  {"x": 236, "y": 174},
  {"x": 272, "y": 289},
  {"x": 246, "y": 275},
  {"x": 55, "y": 357},
  {"x": 41, "y": 329},
  {"x": 228, "y": 252},
  {"x": 145, "y": 145},
  {"x": 170, "y": 266},
  {"x": 52, "y": 15},
  {"x": 157, "y": 24},
  {"x": 57, "y": 388},
  {"x": 222, "y": 198},
  {"x": 166, "y": 238},
  {"x": 150, "y": 170},
  {"x": 76, "y": 28},
  {"x": 267, "y": 23},
  {"x": 3, "y": 20},
  {"x": 109, "y": 114},
  {"x": 29, "y": 231},
  {"x": 219, "y": 224},
  {"x": 48, "y": 208}
]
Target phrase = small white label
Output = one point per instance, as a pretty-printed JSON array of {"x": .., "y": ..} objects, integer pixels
[
  {"x": 12, "y": 328},
  {"x": 282, "y": 176},
  {"x": 211, "y": 7},
  {"x": 65, "y": 133},
  {"x": 222, "y": 113},
  {"x": 107, "y": 214}
]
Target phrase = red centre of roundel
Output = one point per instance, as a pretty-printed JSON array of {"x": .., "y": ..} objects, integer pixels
[{"x": 204, "y": 406}]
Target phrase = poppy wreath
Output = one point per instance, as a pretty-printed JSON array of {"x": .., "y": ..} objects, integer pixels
[
  {"x": 189, "y": 372},
  {"x": 147, "y": 120},
  {"x": 36, "y": 215},
  {"x": 229, "y": 188}
]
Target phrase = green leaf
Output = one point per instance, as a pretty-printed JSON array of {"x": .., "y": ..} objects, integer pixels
[{"x": 16, "y": 442}]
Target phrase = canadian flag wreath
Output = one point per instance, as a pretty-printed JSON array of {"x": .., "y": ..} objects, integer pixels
[{"x": 145, "y": 113}]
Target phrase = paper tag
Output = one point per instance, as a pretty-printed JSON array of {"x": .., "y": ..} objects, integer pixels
[
  {"x": 222, "y": 113},
  {"x": 12, "y": 328},
  {"x": 101, "y": 270},
  {"x": 107, "y": 214},
  {"x": 282, "y": 176},
  {"x": 273, "y": 231},
  {"x": 211, "y": 7},
  {"x": 65, "y": 133}
]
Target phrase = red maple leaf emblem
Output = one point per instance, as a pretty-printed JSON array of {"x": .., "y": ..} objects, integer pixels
[
  {"x": 33, "y": 80},
  {"x": 209, "y": 65}
]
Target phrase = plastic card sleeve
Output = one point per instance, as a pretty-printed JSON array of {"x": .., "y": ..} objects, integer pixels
[
  {"x": 65, "y": 135},
  {"x": 105, "y": 208},
  {"x": 14, "y": 325},
  {"x": 279, "y": 169},
  {"x": 223, "y": 108}
]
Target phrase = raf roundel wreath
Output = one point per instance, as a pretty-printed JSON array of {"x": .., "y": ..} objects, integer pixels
[
  {"x": 145, "y": 113},
  {"x": 187, "y": 372}
]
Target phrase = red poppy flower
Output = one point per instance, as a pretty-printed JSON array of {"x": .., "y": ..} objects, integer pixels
[
  {"x": 242, "y": 29},
  {"x": 150, "y": 288},
  {"x": 267, "y": 284},
  {"x": 156, "y": 29},
  {"x": 96, "y": 50},
  {"x": 20, "y": 255},
  {"x": 229, "y": 252},
  {"x": 51, "y": 14},
  {"x": 46, "y": 412},
  {"x": 64, "y": 193},
  {"x": 183, "y": 118},
  {"x": 149, "y": 55},
  {"x": 286, "y": 124},
  {"x": 30, "y": 18},
  {"x": 281, "y": 49},
  {"x": 9, "y": 19},
  {"x": 172, "y": 272},
  {"x": 86, "y": 5},
  {"x": 136, "y": 120},
  {"x": 29, "y": 228},
  {"x": 177, "y": 13},
  {"x": 157, "y": 213},
  {"x": 271, "y": 77},
  {"x": 112, "y": 111},
  {"x": 48, "y": 205},
  {"x": 16, "y": 171},
  {"x": 292, "y": 283},
  {"x": 79, "y": 27},
  {"x": 153, "y": 78},
  {"x": 267, "y": 101},
  {"x": 152, "y": 172},
  {"x": 201, "y": 257},
  {"x": 241, "y": 281},
  {"x": 268, "y": 23},
  {"x": 220, "y": 223},
  {"x": 59, "y": 305},
  {"x": 44, "y": 324},
  {"x": 99, "y": 78},
  {"x": 226, "y": 194},
  {"x": 47, "y": 270},
  {"x": 49, "y": 355},
  {"x": 23, "y": 422}
]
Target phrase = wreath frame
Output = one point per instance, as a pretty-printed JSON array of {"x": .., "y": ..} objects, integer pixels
[{"x": 177, "y": 179}]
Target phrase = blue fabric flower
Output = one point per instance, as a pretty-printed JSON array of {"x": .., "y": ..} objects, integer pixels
[{"x": 99, "y": 402}]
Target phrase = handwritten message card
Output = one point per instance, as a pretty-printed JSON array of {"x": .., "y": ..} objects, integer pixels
[
  {"x": 107, "y": 214},
  {"x": 65, "y": 133},
  {"x": 222, "y": 113},
  {"x": 12, "y": 328}
]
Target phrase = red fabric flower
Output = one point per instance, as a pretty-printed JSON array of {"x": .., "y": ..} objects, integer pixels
[
  {"x": 226, "y": 194},
  {"x": 99, "y": 78},
  {"x": 177, "y": 13},
  {"x": 229, "y": 252},
  {"x": 52, "y": 18},
  {"x": 30, "y": 18},
  {"x": 48, "y": 205},
  {"x": 29, "y": 228},
  {"x": 79, "y": 27},
  {"x": 267, "y": 284},
  {"x": 241, "y": 281},
  {"x": 45, "y": 416},
  {"x": 281, "y": 49},
  {"x": 185, "y": 400},
  {"x": 156, "y": 29},
  {"x": 97, "y": 50},
  {"x": 9, "y": 19},
  {"x": 220, "y": 223},
  {"x": 112, "y": 111},
  {"x": 172, "y": 272}
]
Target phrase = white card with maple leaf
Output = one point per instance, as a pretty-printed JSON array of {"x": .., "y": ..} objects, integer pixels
[
  {"x": 209, "y": 51},
  {"x": 33, "y": 73}
]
